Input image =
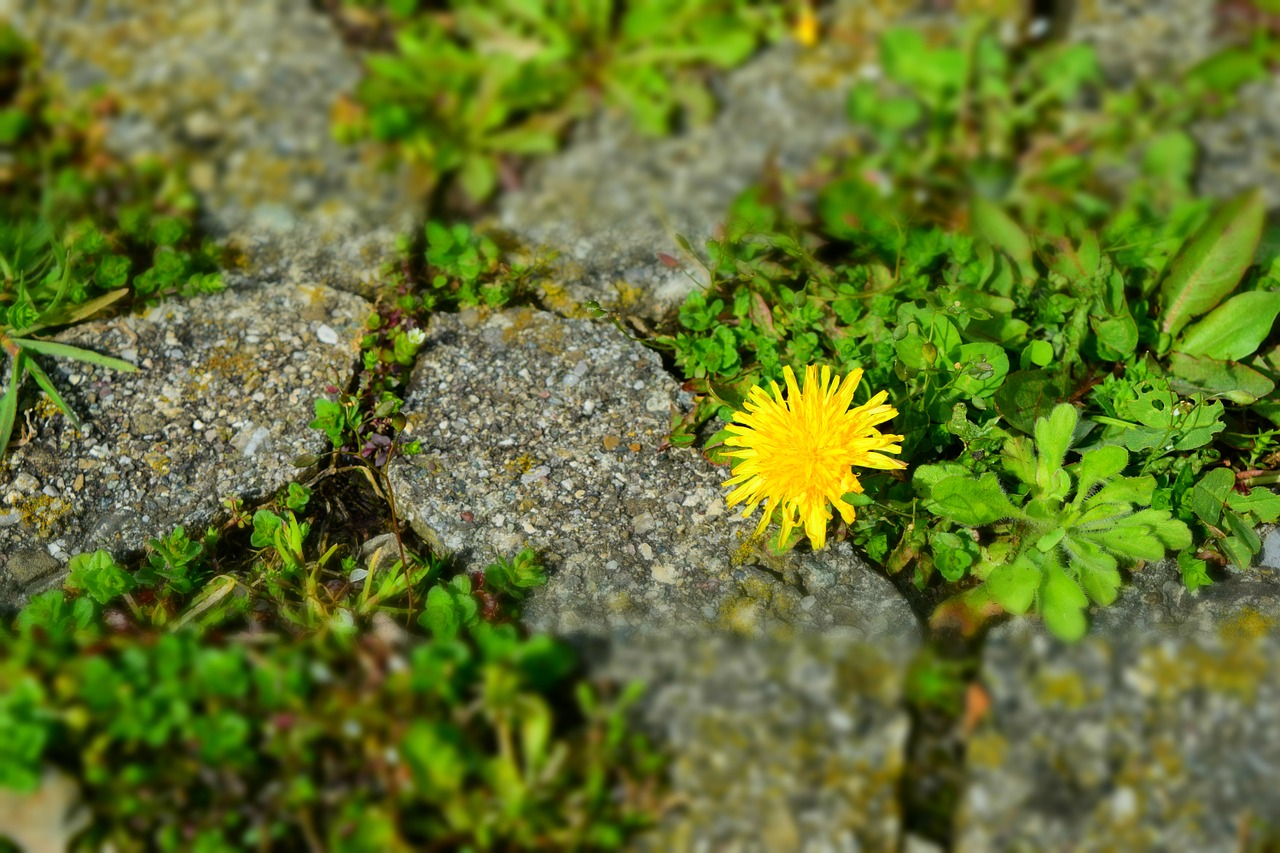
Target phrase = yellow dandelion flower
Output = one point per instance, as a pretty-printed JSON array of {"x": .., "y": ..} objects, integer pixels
[{"x": 796, "y": 455}]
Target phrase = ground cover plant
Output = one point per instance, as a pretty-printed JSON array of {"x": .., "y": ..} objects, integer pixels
[
  {"x": 469, "y": 89},
  {"x": 265, "y": 684},
  {"x": 1079, "y": 346},
  {"x": 312, "y": 699},
  {"x": 81, "y": 232}
]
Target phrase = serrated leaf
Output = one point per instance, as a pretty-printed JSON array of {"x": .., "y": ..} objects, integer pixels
[{"x": 1212, "y": 261}]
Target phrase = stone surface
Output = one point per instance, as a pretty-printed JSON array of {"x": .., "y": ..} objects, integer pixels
[
  {"x": 794, "y": 745},
  {"x": 219, "y": 407},
  {"x": 1159, "y": 731},
  {"x": 774, "y": 680},
  {"x": 550, "y": 432},
  {"x": 614, "y": 198},
  {"x": 241, "y": 93}
]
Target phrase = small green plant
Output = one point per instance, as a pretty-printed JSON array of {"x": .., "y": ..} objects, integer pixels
[
  {"x": 1068, "y": 527},
  {"x": 474, "y": 87},
  {"x": 183, "y": 680},
  {"x": 976, "y": 259},
  {"x": 80, "y": 231}
]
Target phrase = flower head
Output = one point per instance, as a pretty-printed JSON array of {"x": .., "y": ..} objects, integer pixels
[{"x": 796, "y": 454}]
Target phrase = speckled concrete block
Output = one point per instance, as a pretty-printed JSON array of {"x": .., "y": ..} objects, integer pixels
[
  {"x": 1159, "y": 731},
  {"x": 549, "y": 432},
  {"x": 219, "y": 408}
]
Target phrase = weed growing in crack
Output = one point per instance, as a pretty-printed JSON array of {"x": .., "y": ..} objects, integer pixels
[
  {"x": 81, "y": 232},
  {"x": 977, "y": 260}
]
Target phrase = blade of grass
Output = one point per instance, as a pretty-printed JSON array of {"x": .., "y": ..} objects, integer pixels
[
  {"x": 9, "y": 402},
  {"x": 74, "y": 313},
  {"x": 68, "y": 351},
  {"x": 42, "y": 379}
]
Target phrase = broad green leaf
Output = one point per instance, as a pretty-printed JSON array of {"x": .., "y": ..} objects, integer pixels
[
  {"x": 1238, "y": 552},
  {"x": 1128, "y": 490},
  {"x": 1027, "y": 395},
  {"x": 1120, "y": 333},
  {"x": 1243, "y": 530},
  {"x": 1005, "y": 234},
  {"x": 1234, "y": 329},
  {"x": 1238, "y": 383},
  {"x": 1013, "y": 586},
  {"x": 1019, "y": 458},
  {"x": 1210, "y": 494},
  {"x": 971, "y": 502},
  {"x": 983, "y": 368},
  {"x": 1098, "y": 466},
  {"x": 1062, "y": 602},
  {"x": 1212, "y": 262},
  {"x": 1262, "y": 504}
]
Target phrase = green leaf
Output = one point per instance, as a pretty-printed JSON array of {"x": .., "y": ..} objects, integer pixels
[
  {"x": 1226, "y": 379},
  {"x": 1210, "y": 494},
  {"x": 1062, "y": 603},
  {"x": 1003, "y": 233},
  {"x": 970, "y": 502},
  {"x": 9, "y": 402},
  {"x": 1098, "y": 466},
  {"x": 1195, "y": 573},
  {"x": 1212, "y": 262},
  {"x": 983, "y": 367},
  {"x": 1013, "y": 586},
  {"x": 1026, "y": 396},
  {"x": 1234, "y": 329},
  {"x": 98, "y": 576},
  {"x": 46, "y": 384},
  {"x": 265, "y": 525},
  {"x": 1098, "y": 570},
  {"x": 77, "y": 353},
  {"x": 1262, "y": 504},
  {"x": 1053, "y": 437},
  {"x": 1238, "y": 552}
]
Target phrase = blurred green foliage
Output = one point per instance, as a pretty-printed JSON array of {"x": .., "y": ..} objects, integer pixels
[
  {"x": 1011, "y": 233},
  {"x": 472, "y": 87},
  {"x": 80, "y": 231},
  {"x": 309, "y": 699}
]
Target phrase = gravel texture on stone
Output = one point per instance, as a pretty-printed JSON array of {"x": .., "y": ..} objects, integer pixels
[
  {"x": 1159, "y": 731},
  {"x": 219, "y": 408},
  {"x": 794, "y": 745},
  {"x": 548, "y": 432},
  {"x": 615, "y": 198},
  {"x": 243, "y": 91},
  {"x": 1146, "y": 39},
  {"x": 240, "y": 94}
]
